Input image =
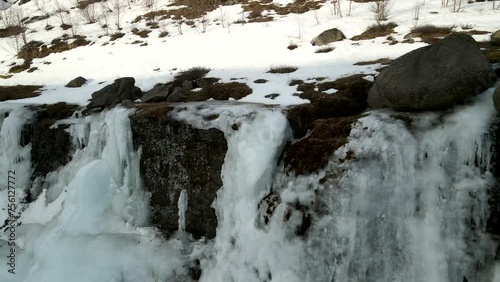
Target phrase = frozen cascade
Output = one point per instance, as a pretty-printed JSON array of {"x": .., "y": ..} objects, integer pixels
[
  {"x": 412, "y": 206},
  {"x": 404, "y": 200},
  {"x": 87, "y": 226}
]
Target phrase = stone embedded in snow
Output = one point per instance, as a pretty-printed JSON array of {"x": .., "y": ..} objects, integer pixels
[
  {"x": 111, "y": 95},
  {"x": 433, "y": 77},
  {"x": 159, "y": 93},
  {"x": 328, "y": 36},
  {"x": 77, "y": 82}
]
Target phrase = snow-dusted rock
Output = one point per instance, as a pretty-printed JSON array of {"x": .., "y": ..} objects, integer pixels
[
  {"x": 433, "y": 77},
  {"x": 77, "y": 82},
  {"x": 328, "y": 36}
]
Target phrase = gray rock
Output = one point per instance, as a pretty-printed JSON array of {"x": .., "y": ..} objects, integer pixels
[
  {"x": 159, "y": 93},
  {"x": 176, "y": 96},
  {"x": 328, "y": 36},
  {"x": 111, "y": 95},
  {"x": 77, "y": 82},
  {"x": 433, "y": 77},
  {"x": 187, "y": 85},
  {"x": 496, "y": 98},
  {"x": 206, "y": 81},
  {"x": 175, "y": 157},
  {"x": 495, "y": 38}
]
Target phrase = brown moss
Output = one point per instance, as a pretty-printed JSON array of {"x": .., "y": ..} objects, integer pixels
[
  {"x": 153, "y": 110},
  {"x": 377, "y": 30},
  {"x": 221, "y": 91},
  {"x": 313, "y": 153},
  {"x": 493, "y": 55},
  {"x": 19, "y": 92},
  {"x": 55, "y": 112}
]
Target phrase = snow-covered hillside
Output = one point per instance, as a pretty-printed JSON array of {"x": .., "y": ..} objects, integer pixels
[{"x": 233, "y": 51}]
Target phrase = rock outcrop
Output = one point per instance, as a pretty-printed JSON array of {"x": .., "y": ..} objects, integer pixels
[
  {"x": 175, "y": 157},
  {"x": 122, "y": 89},
  {"x": 433, "y": 77},
  {"x": 495, "y": 38},
  {"x": 51, "y": 147},
  {"x": 328, "y": 36}
]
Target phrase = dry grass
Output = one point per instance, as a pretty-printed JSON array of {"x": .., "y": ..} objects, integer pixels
[
  {"x": 430, "y": 33},
  {"x": 282, "y": 69},
  {"x": 221, "y": 91},
  {"x": 19, "y": 92},
  {"x": 376, "y": 30},
  {"x": 10, "y": 31},
  {"x": 191, "y": 74},
  {"x": 382, "y": 61}
]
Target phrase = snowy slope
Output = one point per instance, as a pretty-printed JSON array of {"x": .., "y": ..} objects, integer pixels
[{"x": 240, "y": 51}]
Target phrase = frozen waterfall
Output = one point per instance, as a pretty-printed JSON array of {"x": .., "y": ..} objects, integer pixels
[{"x": 404, "y": 200}]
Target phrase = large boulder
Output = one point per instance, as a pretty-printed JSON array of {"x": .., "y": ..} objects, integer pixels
[
  {"x": 159, "y": 93},
  {"x": 433, "y": 77},
  {"x": 122, "y": 89},
  {"x": 495, "y": 38},
  {"x": 328, "y": 36},
  {"x": 175, "y": 157}
]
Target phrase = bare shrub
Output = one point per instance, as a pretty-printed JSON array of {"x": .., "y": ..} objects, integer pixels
[
  {"x": 381, "y": 10},
  {"x": 89, "y": 13},
  {"x": 416, "y": 13}
]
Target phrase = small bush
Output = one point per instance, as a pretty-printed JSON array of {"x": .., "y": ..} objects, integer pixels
[
  {"x": 467, "y": 26},
  {"x": 260, "y": 81},
  {"x": 376, "y": 30},
  {"x": 19, "y": 92},
  {"x": 430, "y": 33},
  {"x": 292, "y": 46},
  {"x": 282, "y": 69},
  {"x": 325, "y": 49},
  {"x": 190, "y": 74}
]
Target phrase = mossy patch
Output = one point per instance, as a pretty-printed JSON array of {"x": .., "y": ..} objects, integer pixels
[
  {"x": 313, "y": 153},
  {"x": 19, "y": 92}
]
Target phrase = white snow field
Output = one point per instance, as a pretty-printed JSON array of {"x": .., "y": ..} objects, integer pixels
[
  {"x": 245, "y": 51},
  {"x": 92, "y": 224}
]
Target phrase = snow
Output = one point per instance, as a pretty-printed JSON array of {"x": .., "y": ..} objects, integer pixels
[{"x": 242, "y": 51}]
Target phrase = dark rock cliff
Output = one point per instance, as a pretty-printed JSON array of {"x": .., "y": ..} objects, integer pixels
[{"x": 176, "y": 156}]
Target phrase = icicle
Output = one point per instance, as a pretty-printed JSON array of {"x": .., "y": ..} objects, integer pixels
[{"x": 182, "y": 204}]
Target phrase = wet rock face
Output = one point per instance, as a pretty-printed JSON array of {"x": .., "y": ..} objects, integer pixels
[
  {"x": 493, "y": 223},
  {"x": 51, "y": 148},
  {"x": 175, "y": 157}
]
